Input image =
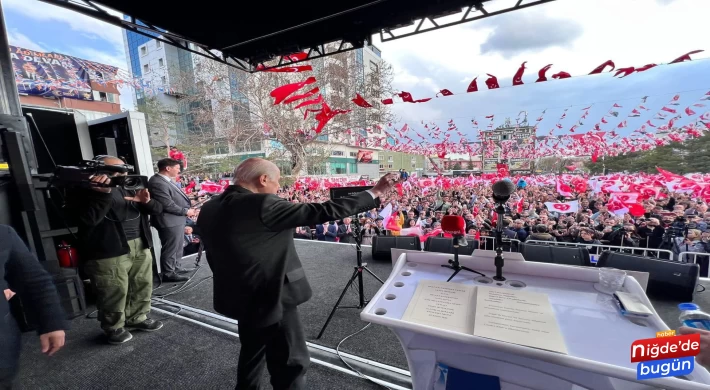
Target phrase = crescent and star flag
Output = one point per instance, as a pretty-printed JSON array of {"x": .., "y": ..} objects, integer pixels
[{"x": 563, "y": 208}]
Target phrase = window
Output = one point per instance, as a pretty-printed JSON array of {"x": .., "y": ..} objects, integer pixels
[
  {"x": 337, "y": 153},
  {"x": 163, "y": 80},
  {"x": 353, "y": 154},
  {"x": 144, "y": 50},
  {"x": 373, "y": 66},
  {"x": 382, "y": 167},
  {"x": 146, "y": 69},
  {"x": 160, "y": 62},
  {"x": 414, "y": 160},
  {"x": 158, "y": 44},
  {"x": 390, "y": 159},
  {"x": 389, "y": 166},
  {"x": 414, "y": 165}
]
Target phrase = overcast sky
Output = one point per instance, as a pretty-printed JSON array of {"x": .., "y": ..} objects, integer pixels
[{"x": 573, "y": 35}]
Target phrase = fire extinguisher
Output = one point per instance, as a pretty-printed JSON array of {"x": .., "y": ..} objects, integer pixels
[{"x": 68, "y": 257}]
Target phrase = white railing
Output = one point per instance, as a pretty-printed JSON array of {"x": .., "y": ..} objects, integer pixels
[
  {"x": 685, "y": 257},
  {"x": 648, "y": 252}
]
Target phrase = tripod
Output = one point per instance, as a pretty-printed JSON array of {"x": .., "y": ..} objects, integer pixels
[
  {"x": 357, "y": 274},
  {"x": 454, "y": 264}
]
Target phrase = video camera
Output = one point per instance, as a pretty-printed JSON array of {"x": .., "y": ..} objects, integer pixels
[{"x": 80, "y": 176}]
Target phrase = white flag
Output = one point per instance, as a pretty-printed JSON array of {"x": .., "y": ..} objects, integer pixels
[{"x": 563, "y": 208}]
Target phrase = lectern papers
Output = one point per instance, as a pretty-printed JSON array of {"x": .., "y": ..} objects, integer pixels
[
  {"x": 442, "y": 305},
  {"x": 518, "y": 317},
  {"x": 513, "y": 316}
]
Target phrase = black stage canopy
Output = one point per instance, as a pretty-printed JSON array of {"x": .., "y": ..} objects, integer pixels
[{"x": 247, "y": 34}]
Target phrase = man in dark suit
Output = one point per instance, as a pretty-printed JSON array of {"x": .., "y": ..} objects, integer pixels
[
  {"x": 345, "y": 232},
  {"x": 21, "y": 272},
  {"x": 171, "y": 223},
  {"x": 258, "y": 279}
]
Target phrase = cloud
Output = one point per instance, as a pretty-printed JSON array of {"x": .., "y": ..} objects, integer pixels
[
  {"x": 44, "y": 12},
  {"x": 18, "y": 39},
  {"x": 664, "y": 2},
  {"x": 528, "y": 32},
  {"x": 100, "y": 56}
]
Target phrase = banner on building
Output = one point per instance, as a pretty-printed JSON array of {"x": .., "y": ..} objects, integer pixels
[
  {"x": 57, "y": 75},
  {"x": 364, "y": 156}
]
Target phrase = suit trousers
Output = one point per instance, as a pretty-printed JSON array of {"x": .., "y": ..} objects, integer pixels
[
  {"x": 123, "y": 286},
  {"x": 171, "y": 240},
  {"x": 8, "y": 378},
  {"x": 282, "y": 346}
]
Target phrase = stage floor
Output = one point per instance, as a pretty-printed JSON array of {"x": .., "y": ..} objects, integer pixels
[{"x": 186, "y": 355}]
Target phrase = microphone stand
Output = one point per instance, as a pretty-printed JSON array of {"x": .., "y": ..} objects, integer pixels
[
  {"x": 500, "y": 210},
  {"x": 454, "y": 264}
]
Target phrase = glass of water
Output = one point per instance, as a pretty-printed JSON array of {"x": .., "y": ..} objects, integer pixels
[{"x": 611, "y": 279}]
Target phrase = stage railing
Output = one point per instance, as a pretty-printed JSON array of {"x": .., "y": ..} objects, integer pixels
[
  {"x": 648, "y": 252},
  {"x": 489, "y": 242}
]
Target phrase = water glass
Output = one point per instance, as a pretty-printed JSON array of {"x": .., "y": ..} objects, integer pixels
[{"x": 611, "y": 279}]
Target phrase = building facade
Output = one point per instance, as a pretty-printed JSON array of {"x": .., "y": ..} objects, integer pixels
[
  {"x": 394, "y": 161},
  {"x": 518, "y": 142}
]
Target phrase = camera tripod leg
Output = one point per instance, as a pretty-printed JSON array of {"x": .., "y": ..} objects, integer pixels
[
  {"x": 454, "y": 274},
  {"x": 470, "y": 270},
  {"x": 373, "y": 275},
  {"x": 342, "y": 295}
]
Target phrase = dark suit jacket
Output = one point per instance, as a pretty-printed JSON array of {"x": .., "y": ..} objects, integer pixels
[
  {"x": 21, "y": 272},
  {"x": 345, "y": 237},
  {"x": 249, "y": 246},
  {"x": 331, "y": 233},
  {"x": 175, "y": 202}
]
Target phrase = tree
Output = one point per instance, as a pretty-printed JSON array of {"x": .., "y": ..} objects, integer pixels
[
  {"x": 241, "y": 110},
  {"x": 687, "y": 157}
]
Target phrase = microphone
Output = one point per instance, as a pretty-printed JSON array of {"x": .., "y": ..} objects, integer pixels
[
  {"x": 456, "y": 226},
  {"x": 502, "y": 189}
]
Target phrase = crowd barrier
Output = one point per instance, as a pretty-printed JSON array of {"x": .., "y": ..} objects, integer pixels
[{"x": 648, "y": 252}]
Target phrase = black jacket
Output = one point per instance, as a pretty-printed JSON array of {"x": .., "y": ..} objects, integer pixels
[
  {"x": 96, "y": 214},
  {"x": 249, "y": 246},
  {"x": 21, "y": 272}
]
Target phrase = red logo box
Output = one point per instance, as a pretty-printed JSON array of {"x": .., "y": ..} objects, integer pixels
[{"x": 665, "y": 348}]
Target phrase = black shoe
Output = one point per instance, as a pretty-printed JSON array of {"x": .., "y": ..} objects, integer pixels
[
  {"x": 184, "y": 270},
  {"x": 174, "y": 278},
  {"x": 118, "y": 336},
  {"x": 147, "y": 325}
]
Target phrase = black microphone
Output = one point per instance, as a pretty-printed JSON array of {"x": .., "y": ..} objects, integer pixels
[{"x": 502, "y": 189}]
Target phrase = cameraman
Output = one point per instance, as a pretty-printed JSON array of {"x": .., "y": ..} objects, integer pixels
[{"x": 115, "y": 242}]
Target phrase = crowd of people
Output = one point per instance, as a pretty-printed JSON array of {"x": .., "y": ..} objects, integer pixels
[{"x": 673, "y": 221}]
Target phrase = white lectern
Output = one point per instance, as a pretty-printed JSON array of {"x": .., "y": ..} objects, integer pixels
[{"x": 597, "y": 336}]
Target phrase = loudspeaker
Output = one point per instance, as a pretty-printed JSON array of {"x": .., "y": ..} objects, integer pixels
[
  {"x": 446, "y": 245},
  {"x": 556, "y": 255},
  {"x": 666, "y": 279},
  {"x": 382, "y": 245}
]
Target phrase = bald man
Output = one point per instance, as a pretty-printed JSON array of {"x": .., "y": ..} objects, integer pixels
[
  {"x": 114, "y": 244},
  {"x": 258, "y": 279}
]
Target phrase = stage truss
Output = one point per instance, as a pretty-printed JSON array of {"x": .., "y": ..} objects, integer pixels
[{"x": 455, "y": 14}]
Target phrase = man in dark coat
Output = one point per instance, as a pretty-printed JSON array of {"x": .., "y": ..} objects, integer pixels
[
  {"x": 258, "y": 278},
  {"x": 21, "y": 272}
]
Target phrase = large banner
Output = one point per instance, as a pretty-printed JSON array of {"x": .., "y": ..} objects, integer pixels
[
  {"x": 364, "y": 156},
  {"x": 58, "y": 75}
]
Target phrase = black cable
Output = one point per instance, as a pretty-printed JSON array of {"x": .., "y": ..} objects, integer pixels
[
  {"x": 29, "y": 115},
  {"x": 337, "y": 351}
]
